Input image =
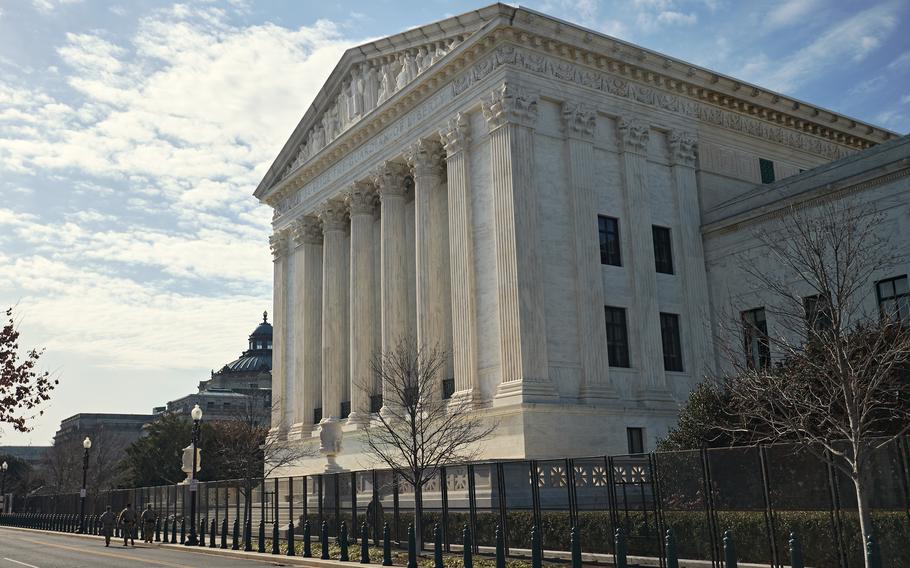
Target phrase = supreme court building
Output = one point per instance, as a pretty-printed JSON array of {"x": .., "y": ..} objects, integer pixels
[{"x": 529, "y": 195}]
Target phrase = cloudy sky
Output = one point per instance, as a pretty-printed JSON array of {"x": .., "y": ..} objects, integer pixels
[{"x": 132, "y": 135}]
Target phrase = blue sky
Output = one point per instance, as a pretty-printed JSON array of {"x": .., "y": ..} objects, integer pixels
[{"x": 132, "y": 135}]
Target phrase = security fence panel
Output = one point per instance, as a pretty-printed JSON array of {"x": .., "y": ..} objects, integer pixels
[
  {"x": 347, "y": 500},
  {"x": 592, "y": 498},
  {"x": 432, "y": 508},
  {"x": 633, "y": 495},
  {"x": 519, "y": 502},
  {"x": 552, "y": 480},
  {"x": 487, "y": 506},
  {"x": 314, "y": 503},
  {"x": 682, "y": 483},
  {"x": 283, "y": 496},
  {"x": 366, "y": 501},
  {"x": 404, "y": 510},
  {"x": 458, "y": 504},
  {"x": 298, "y": 502}
]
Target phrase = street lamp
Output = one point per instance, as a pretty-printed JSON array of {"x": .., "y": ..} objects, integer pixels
[
  {"x": 3, "y": 467},
  {"x": 87, "y": 444},
  {"x": 196, "y": 413}
]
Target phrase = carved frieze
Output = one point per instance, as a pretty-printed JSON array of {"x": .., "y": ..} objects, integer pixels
[
  {"x": 425, "y": 158},
  {"x": 682, "y": 147},
  {"x": 456, "y": 135},
  {"x": 633, "y": 135},
  {"x": 510, "y": 104},
  {"x": 579, "y": 120}
]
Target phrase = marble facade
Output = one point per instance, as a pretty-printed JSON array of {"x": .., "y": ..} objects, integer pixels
[{"x": 445, "y": 186}]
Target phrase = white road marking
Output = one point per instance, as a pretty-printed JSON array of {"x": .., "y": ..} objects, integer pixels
[{"x": 20, "y": 563}]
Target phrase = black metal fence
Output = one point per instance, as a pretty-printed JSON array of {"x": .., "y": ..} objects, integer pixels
[{"x": 761, "y": 494}]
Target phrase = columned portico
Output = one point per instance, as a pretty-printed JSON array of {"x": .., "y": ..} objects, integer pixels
[
  {"x": 307, "y": 233},
  {"x": 334, "y": 306}
]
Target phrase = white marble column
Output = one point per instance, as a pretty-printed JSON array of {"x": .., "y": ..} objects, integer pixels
[
  {"x": 456, "y": 137},
  {"x": 431, "y": 239},
  {"x": 511, "y": 114},
  {"x": 579, "y": 122},
  {"x": 393, "y": 277},
  {"x": 307, "y": 324},
  {"x": 682, "y": 152},
  {"x": 279, "y": 246},
  {"x": 334, "y": 299},
  {"x": 644, "y": 315},
  {"x": 361, "y": 201}
]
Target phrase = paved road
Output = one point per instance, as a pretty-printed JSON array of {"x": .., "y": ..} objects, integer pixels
[{"x": 31, "y": 549}]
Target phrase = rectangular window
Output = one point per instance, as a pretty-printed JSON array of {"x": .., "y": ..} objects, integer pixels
[
  {"x": 894, "y": 298},
  {"x": 818, "y": 314},
  {"x": 669, "y": 334},
  {"x": 448, "y": 388},
  {"x": 345, "y": 409},
  {"x": 617, "y": 337},
  {"x": 766, "y": 167},
  {"x": 636, "y": 438},
  {"x": 317, "y": 415},
  {"x": 663, "y": 250},
  {"x": 609, "y": 241},
  {"x": 755, "y": 337}
]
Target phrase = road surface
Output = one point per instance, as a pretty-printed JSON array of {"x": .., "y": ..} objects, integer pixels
[{"x": 33, "y": 549}]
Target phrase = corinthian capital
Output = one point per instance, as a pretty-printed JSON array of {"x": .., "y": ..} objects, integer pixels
[
  {"x": 579, "y": 120},
  {"x": 361, "y": 198},
  {"x": 456, "y": 135},
  {"x": 425, "y": 158},
  {"x": 389, "y": 179},
  {"x": 334, "y": 216},
  {"x": 278, "y": 242},
  {"x": 682, "y": 146},
  {"x": 509, "y": 103},
  {"x": 307, "y": 230},
  {"x": 633, "y": 135}
]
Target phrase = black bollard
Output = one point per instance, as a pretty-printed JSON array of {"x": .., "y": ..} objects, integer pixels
[
  {"x": 324, "y": 540},
  {"x": 235, "y": 541},
  {"x": 672, "y": 557},
  {"x": 536, "y": 549},
  {"x": 292, "y": 546},
  {"x": 500, "y": 549},
  {"x": 364, "y": 544},
  {"x": 437, "y": 546},
  {"x": 796, "y": 552},
  {"x": 307, "y": 545},
  {"x": 261, "y": 547},
  {"x": 202, "y": 524},
  {"x": 276, "y": 542},
  {"x": 386, "y": 545},
  {"x": 213, "y": 533},
  {"x": 248, "y": 535},
  {"x": 619, "y": 543},
  {"x": 467, "y": 548},
  {"x": 182, "y": 530},
  {"x": 729, "y": 550},
  {"x": 575, "y": 547},
  {"x": 166, "y": 540},
  {"x": 412, "y": 547},
  {"x": 343, "y": 542},
  {"x": 174, "y": 530},
  {"x": 224, "y": 530},
  {"x": 157, "y": 530}
]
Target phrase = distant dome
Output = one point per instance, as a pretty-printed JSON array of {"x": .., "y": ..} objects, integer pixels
[
  {"x": 264, "y": 329},
  {"x": 248, "y": 363},
  {"x": 259, "y": 355}
]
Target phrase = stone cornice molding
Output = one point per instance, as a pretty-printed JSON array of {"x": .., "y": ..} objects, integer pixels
[
  {"x": 362, "y": 199},
  {"x": 633, "y": 134},
  {"x": 510, "y": 104},
  {"x": 334, "y": 216},
  {"x": 579, "y": 120},
  {"x": 425, "y": 158},
  {"x": 682, "y": 148},
  {"x": 278, "y": 243},
  {"x": 389, "y": 179},
  {"x": 307, "y": 230},
  {"x": 456, "y": 135}
]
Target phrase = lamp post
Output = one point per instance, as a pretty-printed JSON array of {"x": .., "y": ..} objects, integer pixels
[
  {"x": 87, "y": 445},
  {"x": 196, "y": 413},
  {"x": 3, "y": 467}
]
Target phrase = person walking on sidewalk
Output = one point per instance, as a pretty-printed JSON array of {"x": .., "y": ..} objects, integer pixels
[
  {"x": 148, "y": 523},
  {"x": 108, "y": 521},
  {"x": 127, "y": 520}
]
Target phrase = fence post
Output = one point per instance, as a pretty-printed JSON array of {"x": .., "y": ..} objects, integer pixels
[
  {"x": 157, "y": 529},
  {"x": 670, "y": 542},
  {"x": 213, "y": 533},
  {"x": 500, "y": 549},
  {"x": 307, "y": 545},
  {"x": 796, "y": 552},
  {"x": 536, "y": 552},
  {"x": 167, "y": 529},
  {"x": 224, "y": 531},
  {"x": 729, "y": 550},
  {"x": 386, "y": 546},
  {"x": 343, "y": 541},
  {"x": 468, "y": 547},
  {"x": 248, "y": 535},
  {"x": 261, "y": 545},
  {"x": 437, "y": 546},
  {"x": 183, "y": 530},
  {"x": 292, "y": 545},
  {"x": 202, "y": 523},
  {"x": 235, "y": 541},
  {"x": 575, "y": 547},
  {"x": 412, "y": 547},
  {"x": 174, "y": 530},
  {"x": 324, "y": 540},
  {"x": 619, "y": 542},
  {"x": 364, "y": 543}
]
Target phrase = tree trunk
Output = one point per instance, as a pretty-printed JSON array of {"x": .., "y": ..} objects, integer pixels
[
  {"x": 418, "y": 517},
  {"x": 863, "y": 510}
]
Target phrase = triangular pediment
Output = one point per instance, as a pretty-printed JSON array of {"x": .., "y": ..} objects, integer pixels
[{"x": 367, "y": 75}]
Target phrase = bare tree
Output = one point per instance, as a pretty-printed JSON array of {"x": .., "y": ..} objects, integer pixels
[
  {"x": 63, "y": 461},
  {"x": 418, "y": 432},
  {"x": 840, "y": 383},
  {"x": 23, "y": 388}
]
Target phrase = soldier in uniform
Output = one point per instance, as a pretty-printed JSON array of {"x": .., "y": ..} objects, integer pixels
[
  {"x": 148, "y": 523},
  {"x": 108, "y": 521},
  {"x": 127, "y": 520}
]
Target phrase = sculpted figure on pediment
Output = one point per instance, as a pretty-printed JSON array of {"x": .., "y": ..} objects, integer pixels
[
  {"x": 423, "y": 59},
  {"x": 318, "y": 138},
  {"x": 439, "y": 51},
  {"x": 386, "y": 83},
  {"x": 370, "y": 86},
  {"x": 408, "y": 71},
  {"x": 356, "y": 93}
]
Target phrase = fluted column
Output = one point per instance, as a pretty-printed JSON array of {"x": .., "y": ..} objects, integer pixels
[
  {"x": 682, "y": 152},
  {"x": 307, "y": 234},
  {"x": 279, "y": 246},
  {"x": 456, "y": 137},
  {"x": 511, "y": 114},
  {"x": 579, "y": 122},
  {"x": 389, "y": 180},
  {"x": 644, "y": 316},
  {"x": 334, "y": 298},
  {"x": 431, "y": 239},
  {"x": 361, "y": 201}
]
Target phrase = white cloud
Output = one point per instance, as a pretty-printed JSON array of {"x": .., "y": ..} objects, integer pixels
[
  {"x": 671, "y": 17},
  {"x": 48, "y": 6},
  {"x": 905, "y": 99},
  {"x": 790, "y": 12}
]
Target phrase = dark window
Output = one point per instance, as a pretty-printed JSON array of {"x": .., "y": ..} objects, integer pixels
[
  {"x": 636, "y": 437},
  {"x": 317, "y": 415},
  {"x": 766, "y": 167},
  {"x": 894, "y": 298},
  {"x": 609, "y": 241},
  {"x": 818, "y": 314},
  {"x": 755, "y": 337},
  {"x": 617, "y": 337},
  {"x": 375, "y": 402},
  {"x": 663, "y": 250},
  {"x": 345, "y": 409},
  {"x": 669, "y": 334},
  {"x": 448, "y": 388}
]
